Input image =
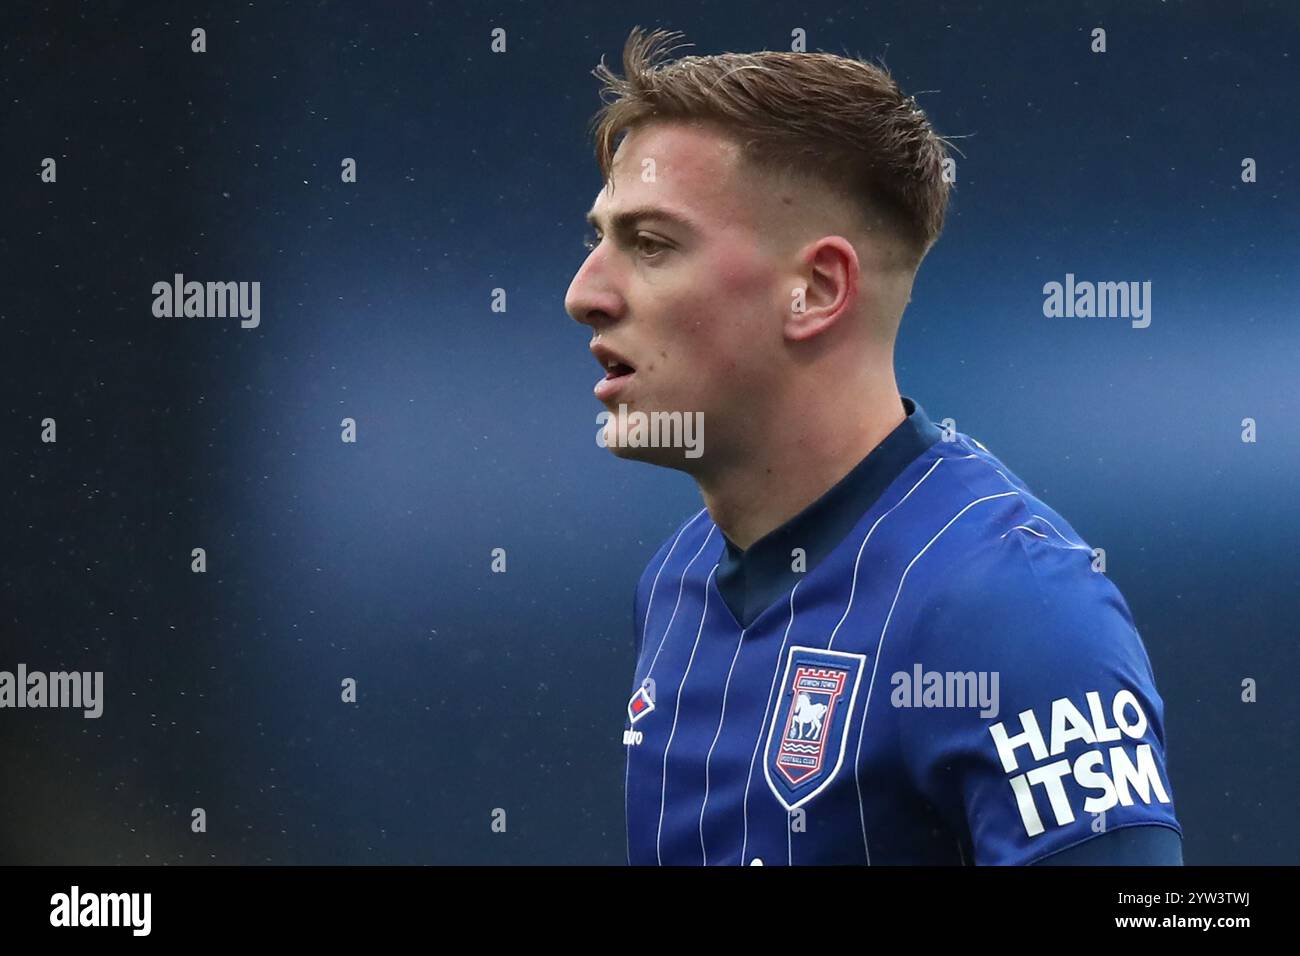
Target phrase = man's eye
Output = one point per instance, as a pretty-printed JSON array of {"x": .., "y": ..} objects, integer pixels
[
  {"x": 641, "y": 240},
  {"x": 648, "y": 246}
]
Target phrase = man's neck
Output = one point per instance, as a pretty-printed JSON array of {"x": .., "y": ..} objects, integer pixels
[{"x": 797, "y": 463}]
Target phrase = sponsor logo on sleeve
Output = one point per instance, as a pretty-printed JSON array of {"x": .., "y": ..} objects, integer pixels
[{"x": 1122, "y": 774}]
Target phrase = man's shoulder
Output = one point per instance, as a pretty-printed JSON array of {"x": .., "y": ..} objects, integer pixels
[
  {"x": 1039, "y": 615},
  {"x": 993, "y": 523},
  {"x": 1021, "y": 605},
  {"x": 1018, "y": 567}
]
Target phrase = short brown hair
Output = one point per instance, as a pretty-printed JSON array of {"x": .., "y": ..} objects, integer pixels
[{"x": 839, "y": 121}]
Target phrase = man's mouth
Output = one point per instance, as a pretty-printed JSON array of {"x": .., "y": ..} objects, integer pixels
[
  {"x": 618, "y": 371},
  {"x": 617, "y": 377}
]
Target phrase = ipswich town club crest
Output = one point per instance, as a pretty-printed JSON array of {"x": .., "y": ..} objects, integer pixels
[{"x": 809, "y": 731}]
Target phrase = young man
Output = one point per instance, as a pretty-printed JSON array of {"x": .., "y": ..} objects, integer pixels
[{"x": 874, "y": 644}]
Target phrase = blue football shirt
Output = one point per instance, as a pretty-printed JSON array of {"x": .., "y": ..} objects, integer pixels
[{"x": 924, "y": 666}]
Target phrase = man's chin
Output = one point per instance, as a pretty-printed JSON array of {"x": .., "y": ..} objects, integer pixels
[{"x": 663, "y": 457}]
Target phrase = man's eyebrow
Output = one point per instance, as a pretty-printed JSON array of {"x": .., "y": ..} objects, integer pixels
[{"x": 625, "y": 221}]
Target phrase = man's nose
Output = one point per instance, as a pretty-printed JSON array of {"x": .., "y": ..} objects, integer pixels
[{"x": 592, "y": 298}]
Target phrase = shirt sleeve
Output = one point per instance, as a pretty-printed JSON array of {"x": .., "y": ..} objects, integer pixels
[
  {"x": 1150, "y": 845},
  {"x": 1064, "y": 740}
]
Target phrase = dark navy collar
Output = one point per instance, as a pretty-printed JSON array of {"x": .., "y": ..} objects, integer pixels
[{"x": 752, "y": 580}]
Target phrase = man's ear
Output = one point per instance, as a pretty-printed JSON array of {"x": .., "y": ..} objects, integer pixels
[{"x": 827, "y": 288}]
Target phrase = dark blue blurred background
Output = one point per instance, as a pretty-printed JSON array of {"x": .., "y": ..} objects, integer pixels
[{"x": 477, "y": 428}]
